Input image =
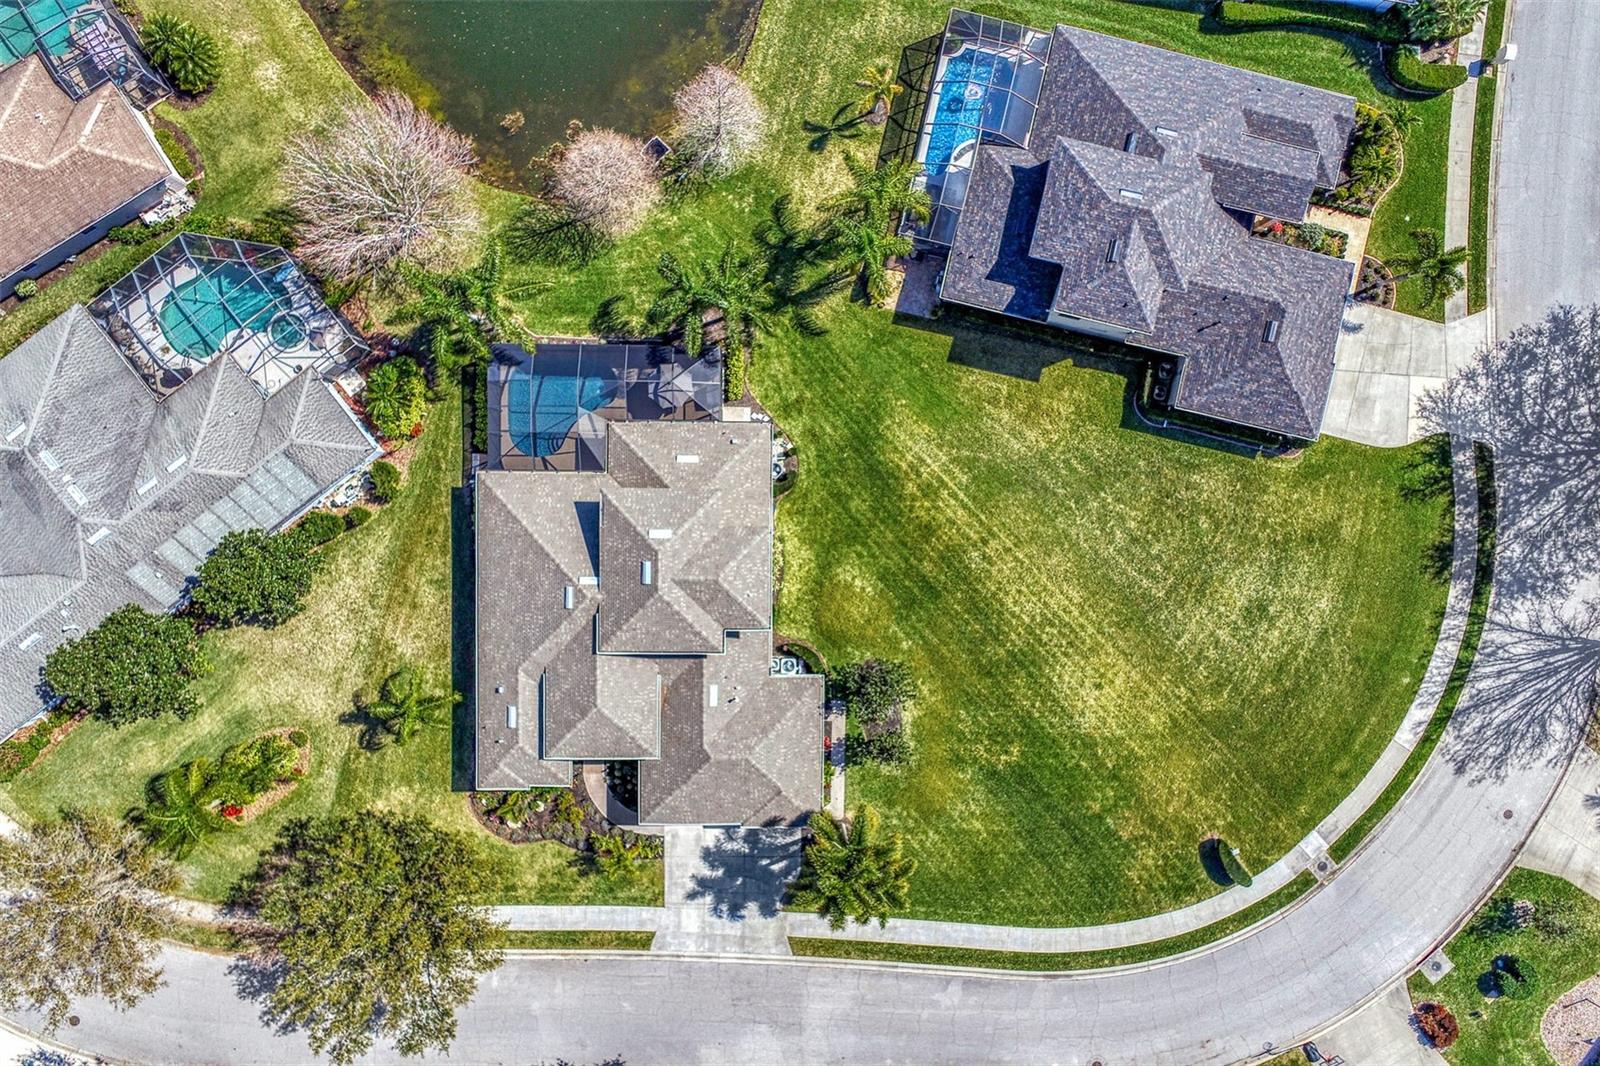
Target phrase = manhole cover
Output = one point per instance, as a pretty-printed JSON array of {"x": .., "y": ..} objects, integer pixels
[
  {"x": 1322, "y": 867},
  {"x": 1506, "y": 814},
  {"x": 72, "y": 1019},
  {"x": 1434, "y": 967}
]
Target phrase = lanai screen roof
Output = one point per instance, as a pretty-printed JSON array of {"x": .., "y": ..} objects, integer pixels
[
  {"x": 985, "y": 88},
  {"x": 200, "y": 297},
  {"x": 84, "y": 44}
]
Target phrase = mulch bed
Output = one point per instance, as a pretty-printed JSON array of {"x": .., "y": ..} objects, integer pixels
[
  {"x": 1368, "y": 287},
  {"x": 302, "y": 764},
  {"x": 546, "y": 825},
  {"x": 57, "y": 735}
]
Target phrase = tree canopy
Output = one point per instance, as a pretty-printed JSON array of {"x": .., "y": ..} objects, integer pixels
[
  {"x": 854, "y": 870},
  {"x": 82, "y": 908},
  {"x": 254, "y": 577},
  {"x": 133, "y": 665},
  {"x": 377, "y": 931}
]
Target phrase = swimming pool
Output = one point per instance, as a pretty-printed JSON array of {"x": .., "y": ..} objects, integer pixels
[
  {"x": 963, "y": 99},
  {"x": 203, "y": 311},
  {"x": 541, "y": 409}
]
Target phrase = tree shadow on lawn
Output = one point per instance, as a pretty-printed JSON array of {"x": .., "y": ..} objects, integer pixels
[
  {"x": 1428, "y": 476},
  {"x": 1211, "y": 862},
  {"x": 845, "y": 124}
]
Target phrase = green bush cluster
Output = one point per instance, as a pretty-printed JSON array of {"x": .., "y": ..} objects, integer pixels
[
  {"x": 480, "y": 408},
  {"x": 318, "y": 528},
  {"x": 26, "y": 289},
  {"x": 385, "y": 481},
  {"x": 176, "y": 154},
  {"x": 248, "y": 770},
  {"x": 1232, "y": 865},
  {"x": 255, "y": 578},
  {"x": 396, "y": 397},
  {"x": 733, "y": 376},
  {"x": 182, "y": 51},
  {"x": 1408, "y": 71},
  {"x": 133, "y": 665},
  {"x": 1308, "y": 14},
  {"x": 357, "y": 517},
  {"x": 16, "y": 755}
]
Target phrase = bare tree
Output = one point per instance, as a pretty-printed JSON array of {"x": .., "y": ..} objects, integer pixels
[
  {"x": 81, "y": 910},
  {"x": 384, "y": 184},
  {"x": 720, "y": 121},
  {"x": 607, "y": 180}
]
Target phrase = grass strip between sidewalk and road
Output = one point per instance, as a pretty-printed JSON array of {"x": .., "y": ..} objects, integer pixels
[
  {"x": 1477, "y": 611},
  {"x": 227, "y": 940},
  {"x": 1050, "y": 961},
  {"x": 1483, "y": 164}
]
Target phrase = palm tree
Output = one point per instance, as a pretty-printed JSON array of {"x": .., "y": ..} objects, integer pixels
[
  {"x": 186, "y": 53},
  {"x": 881, "y": 192},
  {"x": 460, "y": 312},
  {"x": 853, "y": 871},
  {"x": 1373, "y": 167},
  {"x": 879, "y": 86},
  {"x": 515, "y": 808},
  {"x": 1404, "y": 117},
  {"x": 730, "y": 291},
  {"x": 405, "y": 706},
  {"x": 159, "y": 35},
  {"x": 867, "y": 244},
  {"x": 182, "y": 810},
  {"x": 1438, "y": 270},
  {"x": 1443, "y": 20}
]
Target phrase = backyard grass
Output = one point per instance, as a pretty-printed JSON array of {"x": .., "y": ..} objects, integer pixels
[
  {"x": 1051, "y": 961},
  {"x": 1505, "y": 1031},
  {"x": 385, "y": 595},
  {"x": 1125, "y": 642}
]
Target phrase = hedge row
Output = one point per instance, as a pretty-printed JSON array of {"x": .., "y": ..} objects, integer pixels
[
  {"x": 17, "y": 755},
  {"x": 1309, "y": 14},
  {"x": 1430, "y": 79},
  {"x": 733, "y": 372}
]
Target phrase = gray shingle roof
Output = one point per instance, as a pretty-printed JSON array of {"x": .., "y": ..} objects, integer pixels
[
  {"x": 694, "y": 499},
  {"x": 109, "y": 496},
  {"x": 1115, "y": 213}
]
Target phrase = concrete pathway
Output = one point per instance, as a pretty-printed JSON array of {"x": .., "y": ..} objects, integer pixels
[
  {"x": 1458, "y": 187},
  {"x": 724, "y": 890},
  {"x": 1380, "y": 1035},
  {"x": 1566, "y": 841}
]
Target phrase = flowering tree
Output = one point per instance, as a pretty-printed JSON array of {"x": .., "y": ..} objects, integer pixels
[
  {"x": 607, "y": 180},
  {"x": 720, "y": 122},
  {"x": 382, "y": 185}
]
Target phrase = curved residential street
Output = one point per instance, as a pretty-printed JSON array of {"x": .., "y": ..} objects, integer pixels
[{"x": 1426, "y": 867}]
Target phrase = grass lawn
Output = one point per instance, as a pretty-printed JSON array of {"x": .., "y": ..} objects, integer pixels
[
  {"x": 1505, "y": 1031},
  {"x": 1483, "y": 164},
  {"x": 386, "y": 594}
]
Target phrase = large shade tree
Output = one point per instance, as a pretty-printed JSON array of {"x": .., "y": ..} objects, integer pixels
[
  {"x": 384, "y": 184},
  {"x": 853, "y": 870},
  {"x": 720, "y": 122},
  {"x": 133, "y": 665},
  {"x": 82, "y": 908},
  {"x": 607, "y": 180},
  {"x": 254, "y": 577},
  {"x": 376, "y": 930}
]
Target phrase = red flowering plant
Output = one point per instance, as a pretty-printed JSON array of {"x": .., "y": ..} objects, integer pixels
[{"x": 232, "y": 810}]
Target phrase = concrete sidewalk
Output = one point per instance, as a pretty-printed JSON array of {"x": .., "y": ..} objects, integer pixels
[
  {"x": 1566, "y": 842},
  {"x": 1380, "y": 1034}
]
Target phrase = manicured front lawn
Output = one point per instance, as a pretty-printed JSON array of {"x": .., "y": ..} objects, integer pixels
[
  {"x": 386, "y": 594},
  {"x": 1505, "y": 1031},
  {"x": 1125, "y": 642}
]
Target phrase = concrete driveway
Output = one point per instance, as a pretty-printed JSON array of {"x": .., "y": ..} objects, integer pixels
[{"x": 1385, "y": 363}]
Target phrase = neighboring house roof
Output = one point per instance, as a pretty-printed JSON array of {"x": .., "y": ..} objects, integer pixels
[
  {"x": 1117, "y": 213},
  {"x": 108, "y": 496},
  {"x": 580, "y": 657},
  {"x": 65, "y": 164}
]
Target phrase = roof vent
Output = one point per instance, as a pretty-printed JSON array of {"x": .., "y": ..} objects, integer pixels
[
  {"x": 147, "y": 486},
  {"x": 177, "y": 463},
  {"x": 99, "y": 535},
  {"x": 1131, "y": 142},
  {"x": 661, "y": 534},
  {"x": 30, "y": 640},
  {"x": 647, "y": 572},
  {"x": 1163, "y": 131},
  {"x": 688, "y": 457},
  {"x": 1131, "y": 194},
  {"x": 1270, "y": 334},
  {"x": 77, "y": 495},
  {"x": 568, "y": 593},
  {"x": 711, "y": 695},
  {"x": 511, "y": 716},
  {"x": 1114, "y": 252},
  {"x": 589, "y": 579},
  {"x": 16, "y": 431},
  {"x": 48, "y": 458}
]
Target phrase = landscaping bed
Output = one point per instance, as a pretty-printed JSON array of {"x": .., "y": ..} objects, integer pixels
[
  {"x": 1308, "y": 235},
  {"x": 1375, "y": 284}
]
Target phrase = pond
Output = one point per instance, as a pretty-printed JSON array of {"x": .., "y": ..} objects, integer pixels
[{"x": 609, "y": 63}]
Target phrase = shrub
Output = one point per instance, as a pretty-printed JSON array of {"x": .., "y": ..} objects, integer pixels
[
  {"x": 133, "y": 665},
  {"x": 176, "y": 154},
  {"x": 17, "y": 754},
  {"x": 1313, "y": 234},
  {"x": 357, "y": 517},
  {"x": 385, "y": 480},
  {"x": 256, "y": 578},
  {"x": 1438, "y": 1024},
  {"x": 298, "y": 738},
  {"x": 1409, "y": 72},
  {"x": 890, "y": 748},
  {"x": 1442, "y": 20},
  {"x": 396, "y": 397},
  {"x": 318, "y": 527},
  {"x": 874, "y": 690},
  {"x": 1516, "y": 976},
  {"x": 1232, "y": 865},
  {"x": 27, "y": 289},
  {"x": 733, "y": 375},
  {"x": 248, "y": 770}
]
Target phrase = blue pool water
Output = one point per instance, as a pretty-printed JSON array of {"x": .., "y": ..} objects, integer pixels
[
  {"x": 541, "y": 409},
  {"x": 201, "y": 312},
  {"x": 962, "y": 95}
]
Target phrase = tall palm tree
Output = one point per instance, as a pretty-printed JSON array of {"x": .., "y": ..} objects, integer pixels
[
  {"x": 879, "y": 86},
  {"x": 853, "y": 871},
  {"x": 182, "y": 811},
  {"x": 867, "y": 244},
  {"x": 1438, "y": 270},
  {"x": 462, "y": 311},
  {"x": 881, "y": 192},
  {"x": 405, "y": 706},
  {"x": 729, "y": 291}
]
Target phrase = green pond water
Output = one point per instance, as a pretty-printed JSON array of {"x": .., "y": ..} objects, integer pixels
[{"x": 608, "y": 63}]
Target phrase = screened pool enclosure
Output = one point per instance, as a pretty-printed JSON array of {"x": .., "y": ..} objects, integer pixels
[
  {"x": 984, "y": 88},
  {"x": 548, "y": 409},
  {"x": 84, "y": 43},
  {"x": 200, "y": 297}
]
